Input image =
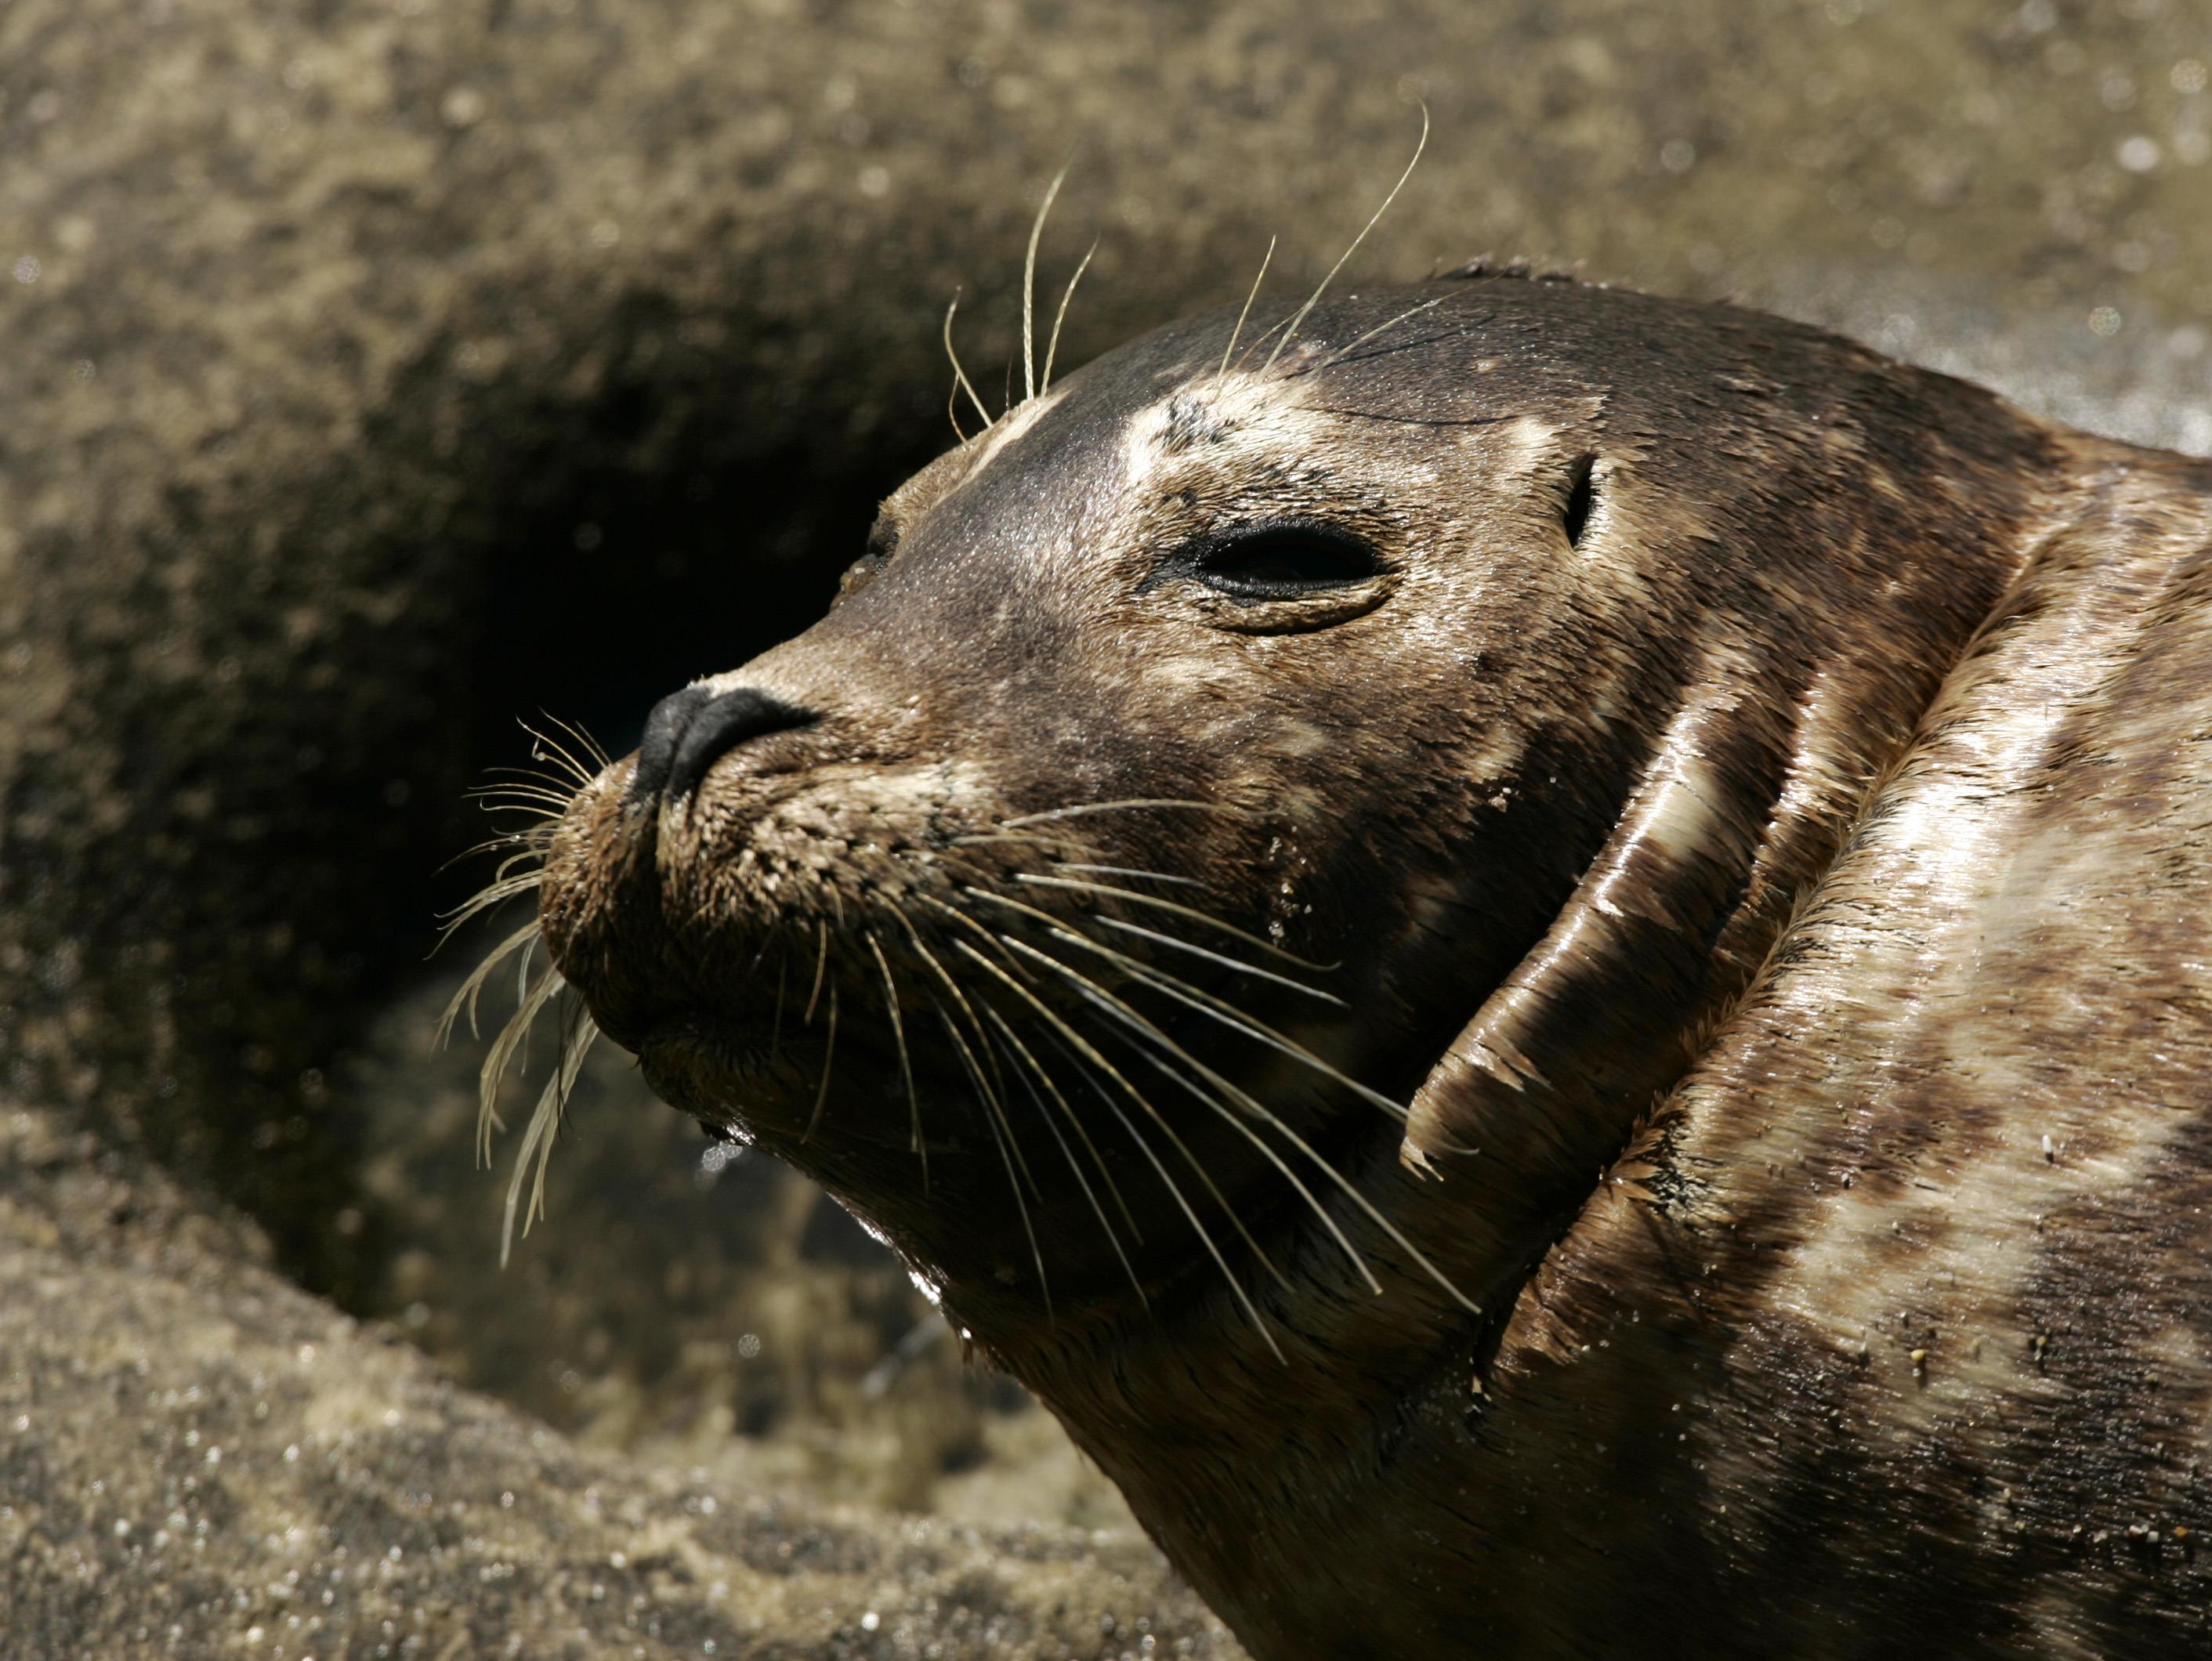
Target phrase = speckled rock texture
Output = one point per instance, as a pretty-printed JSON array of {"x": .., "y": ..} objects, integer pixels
[
  {"x": 376, "y": 372},
  {"x": 198, "y": 1458}
]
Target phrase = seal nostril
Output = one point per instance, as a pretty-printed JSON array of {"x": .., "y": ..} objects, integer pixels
[
  {"x": 719, "y": 726},
  {"x": 656, "y": 750}
]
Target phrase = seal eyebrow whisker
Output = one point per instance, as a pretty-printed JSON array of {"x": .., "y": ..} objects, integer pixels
[
  {"x": 1068, "y": 1036},
  {"x": 1168, "y": 1048},
  {"x": 1029, "y": 284},
  {"x": 1159, "y": 904},
  {"x": 1261, "y": 339},
  {"x": 829, "y": 1060},
  {"x": 959, "y": 374},
  {"x": 1341, "y": 352},
  {"x": 1052, "y": 346},
  {"x": 1260, "y": 277},
  {"x": 536, "y": 1153},
  {"x": 1322, "y": 287},
  {"x": 906, "y": 1065}
]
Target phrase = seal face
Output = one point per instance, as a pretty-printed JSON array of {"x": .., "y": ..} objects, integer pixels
[{"x": 1274, "y": 887}]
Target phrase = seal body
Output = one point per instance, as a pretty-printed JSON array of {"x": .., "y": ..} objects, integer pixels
[{"x": 1540, "y": 955}]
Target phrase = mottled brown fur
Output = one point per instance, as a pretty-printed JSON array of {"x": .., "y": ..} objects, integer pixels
[{"x": 1738, "y": 893}]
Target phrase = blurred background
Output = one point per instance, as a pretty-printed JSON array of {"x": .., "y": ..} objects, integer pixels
[{"x": 378, "y": 373}]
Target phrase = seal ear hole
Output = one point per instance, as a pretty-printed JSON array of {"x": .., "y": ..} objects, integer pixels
[{"x": 1582, "y": 496}]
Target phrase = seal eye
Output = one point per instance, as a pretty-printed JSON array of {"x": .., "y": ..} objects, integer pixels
[
  {"x": 883, "y": 542},
  {"x": 1281, "y": 561}
]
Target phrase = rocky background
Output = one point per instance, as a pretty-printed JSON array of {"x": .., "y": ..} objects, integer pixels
[{"x": 376, "y": 372}]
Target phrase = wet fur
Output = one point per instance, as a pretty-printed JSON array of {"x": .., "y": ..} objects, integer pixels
[{"x": 1736, "y": 896}]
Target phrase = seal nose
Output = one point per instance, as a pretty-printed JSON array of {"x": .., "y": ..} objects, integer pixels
[{"x": 689, "y": 730}]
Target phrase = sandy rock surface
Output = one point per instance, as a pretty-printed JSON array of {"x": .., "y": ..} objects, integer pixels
[{"x": 198, "y": 1458}]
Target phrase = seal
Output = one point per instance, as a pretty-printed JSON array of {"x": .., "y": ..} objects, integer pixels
[{"x": 1540, "y": 955}]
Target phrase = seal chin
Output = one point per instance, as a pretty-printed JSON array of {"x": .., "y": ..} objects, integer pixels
[{"x": 708, "y": 1068}]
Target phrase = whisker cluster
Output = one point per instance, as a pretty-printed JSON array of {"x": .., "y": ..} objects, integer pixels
[
  {"x": 541, "y": 799},
  {"x": 1281, "y": 333},
  {"x": 1024, "y": 999}
]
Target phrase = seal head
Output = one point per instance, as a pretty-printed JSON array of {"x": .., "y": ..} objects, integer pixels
[{"x": 1224, "y": 887}]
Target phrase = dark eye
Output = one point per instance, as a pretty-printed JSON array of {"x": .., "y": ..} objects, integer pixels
[
  {"x": 1273, "y": 562},
  {"x": 883, "y": 542}
]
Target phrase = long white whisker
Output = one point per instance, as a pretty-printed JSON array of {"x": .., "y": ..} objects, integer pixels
[
  {"x": 536, "y": 1153},
  {"x": 1002, "y": 1133},
  {"x": 906, "y": 1066},
  {"x": 1158, "y": 904},
  {"x": 465, "y": 998},
  {"x": 1206, "y": 1004},
  {"x": 1052, "y": 346},
  {"x": 502, "y": 1053},
  {"x": 1089, "y": 1052},
  {"x": 1023, "y": 1054},
  {"x": 1080, "y": 809},
  {"x": 485, "y": 898},
  {"x": 545, "y": 748},
  {"x": 1322, "y": 288},
  {"x": 1092, "y": 992},
  {"x": 1227, "y": 962},
  {"x": 1344, "y": 1182},
  {"x": 1265, "y": 259},
  {"x": 960, "y": 998},
  {"x": 1130, "y": 870},
  {"x": 1342, "y": 351},
  {"x": 589, "y": 745},
  {"x": 960, "y": 374},
  {"x": 1074, "y": 1166},
  {"x": 1029, "y": 285},
  {"x": 821, "y": 964}
]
